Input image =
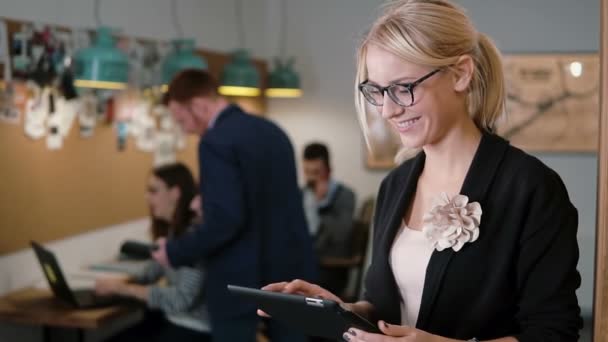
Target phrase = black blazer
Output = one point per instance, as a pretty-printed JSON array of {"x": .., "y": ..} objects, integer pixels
[
  {"x": 254, "y": 231},
  {"x": 518, "y": 279}
]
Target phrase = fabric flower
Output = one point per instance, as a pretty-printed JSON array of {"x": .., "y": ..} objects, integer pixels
[{"x": 452, "y": 222}]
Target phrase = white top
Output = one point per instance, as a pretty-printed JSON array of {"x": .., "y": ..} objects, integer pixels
[{"x": 409, "y": 259}]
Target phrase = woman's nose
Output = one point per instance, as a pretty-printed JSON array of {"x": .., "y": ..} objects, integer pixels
[{"x": 389, "y": 108}]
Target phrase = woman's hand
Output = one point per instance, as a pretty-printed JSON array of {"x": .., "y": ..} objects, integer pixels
[
  {"x": 392, "y": 333},
  {"x": 109, "y": 286},
  {"x": 300, "y": 287},
  {"x": 303, "y": 288}
]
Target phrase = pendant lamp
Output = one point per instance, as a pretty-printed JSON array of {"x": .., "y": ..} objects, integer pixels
[
  {"x": 182, "y": 57},
  {"x": 240, "y": 77},
  {"x": 101, "y": 65},
  {"x": 284, "y": 81}
]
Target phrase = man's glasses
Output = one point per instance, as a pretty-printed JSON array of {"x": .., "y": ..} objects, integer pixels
[{"x": 401, "y": 93}]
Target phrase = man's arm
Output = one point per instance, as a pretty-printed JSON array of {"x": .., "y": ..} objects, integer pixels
[{"x": 223, "y": 208}]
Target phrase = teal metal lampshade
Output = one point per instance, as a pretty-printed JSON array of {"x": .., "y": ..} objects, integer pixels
[
  {"x": 101, "y": 65},
  {"x": 284, "y": 81},
  {"x": 240, "y": 77},
  {"x": 182, "y": 57}
]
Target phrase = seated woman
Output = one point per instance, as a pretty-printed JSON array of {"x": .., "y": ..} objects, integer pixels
[{"x": 176, "y": 311}]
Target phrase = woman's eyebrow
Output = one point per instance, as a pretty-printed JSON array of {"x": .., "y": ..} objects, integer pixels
[{"x": 397, "y": 80}]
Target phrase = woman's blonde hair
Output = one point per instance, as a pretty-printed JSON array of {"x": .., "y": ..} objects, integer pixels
[{"x": 436, "y": 33}]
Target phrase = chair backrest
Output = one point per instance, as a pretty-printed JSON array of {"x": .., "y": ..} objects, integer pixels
[
  {"x": 361, "y": 227},
  {"x": 366, "y": 212}
]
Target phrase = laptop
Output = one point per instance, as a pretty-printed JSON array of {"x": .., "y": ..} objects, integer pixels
[{"x": 81, "y": 298}]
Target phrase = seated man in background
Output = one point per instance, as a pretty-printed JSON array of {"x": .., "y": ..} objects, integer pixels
[
  {"x": 329, "y": 207},
  {"x": 176, "y": 311}
]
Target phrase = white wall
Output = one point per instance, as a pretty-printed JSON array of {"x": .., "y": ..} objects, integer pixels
[
  {"x": 323, "y": 36},
  {"x": 21, "y": 269}
]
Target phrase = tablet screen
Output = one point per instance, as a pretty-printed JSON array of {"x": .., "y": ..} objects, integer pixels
[{"x": 311, "y": 316}]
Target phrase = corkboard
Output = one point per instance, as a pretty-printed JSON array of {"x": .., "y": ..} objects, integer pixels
[{"x": 88, "y": 184}]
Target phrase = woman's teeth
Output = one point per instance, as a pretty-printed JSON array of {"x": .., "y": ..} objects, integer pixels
[{"x": 407, "y": 123}]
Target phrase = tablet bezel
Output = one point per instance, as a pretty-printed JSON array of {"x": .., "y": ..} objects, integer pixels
[{"x": 313, "y": 316}]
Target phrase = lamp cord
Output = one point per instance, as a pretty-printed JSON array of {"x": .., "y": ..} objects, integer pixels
[
  {"x": 176, "y": 24},
  {"x": 283, "y": 27},
  {"x": 97, "y": 12},
  {"x": 240, "y": 23}
]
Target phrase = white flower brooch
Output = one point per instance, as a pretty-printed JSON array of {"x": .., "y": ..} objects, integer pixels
[{"x": 452, "y": 222}]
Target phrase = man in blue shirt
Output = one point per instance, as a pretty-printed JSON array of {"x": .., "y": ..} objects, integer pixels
[{"x": 329, "y": 206}]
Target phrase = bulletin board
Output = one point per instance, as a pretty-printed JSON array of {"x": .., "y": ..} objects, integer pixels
[{"x": 88, "y": 184}]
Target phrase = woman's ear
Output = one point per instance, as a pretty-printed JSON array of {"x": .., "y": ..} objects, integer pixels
[{"x": 463, "y": 73}]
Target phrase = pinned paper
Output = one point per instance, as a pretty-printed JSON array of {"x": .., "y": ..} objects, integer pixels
[
  {"x": 36, "y": 112},
  {"x": 66, "y": 111},
  {"x": 122, "y": 132},
  {"x": 167, "y": 124},
  {"x": 9, "y": 112},
  {"x": 165, "y": 149},
  {"x": 54, "y": 140},
  {"x": 87, "y": 115}
]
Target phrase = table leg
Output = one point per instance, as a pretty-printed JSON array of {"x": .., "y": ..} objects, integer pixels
[
  {"x": 81, "y": 335},
  {"x": 46, "y": 333}
]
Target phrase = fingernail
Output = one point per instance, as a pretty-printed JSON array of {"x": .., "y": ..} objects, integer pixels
[
  {"x": 346, "y": 337},
  {"x": 352, "y": 332}
]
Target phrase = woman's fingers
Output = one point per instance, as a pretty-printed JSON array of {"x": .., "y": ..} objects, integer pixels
[{"x": 275, "y": 287}]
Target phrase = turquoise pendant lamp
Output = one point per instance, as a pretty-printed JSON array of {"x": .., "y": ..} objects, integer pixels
[
  {"x": 240, "y": 77},
  {"x": 182, "y": 57},
  {"x": 101, "y": 65},
  {"x": 284, "y": 81}
]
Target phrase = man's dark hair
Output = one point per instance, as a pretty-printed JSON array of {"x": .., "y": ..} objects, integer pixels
[
  {"x": 191, "y": 83},
  {"x": 315, "y": 151}
]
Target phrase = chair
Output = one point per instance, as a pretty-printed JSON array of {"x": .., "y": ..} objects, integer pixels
[{"x": 359, "y": 240}]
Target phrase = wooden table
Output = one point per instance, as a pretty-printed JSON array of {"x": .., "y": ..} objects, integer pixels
[{"x": 39, "y": 307}]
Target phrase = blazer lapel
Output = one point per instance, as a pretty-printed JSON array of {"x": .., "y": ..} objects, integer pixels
[
  {"x": 407, "y": 183},
  {"x": 410, "y": 183},
  {"x": 476, "y": 184}
]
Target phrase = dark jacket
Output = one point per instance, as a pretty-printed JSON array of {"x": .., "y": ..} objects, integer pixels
[
  {"x": 254, "y": 231},
  {"x": 518, "y": 279}
]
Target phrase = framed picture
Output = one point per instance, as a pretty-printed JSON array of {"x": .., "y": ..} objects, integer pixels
[{"x": 552, "y": 101}]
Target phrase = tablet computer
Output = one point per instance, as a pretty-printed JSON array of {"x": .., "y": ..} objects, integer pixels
[{"x": 312, "y": 316}]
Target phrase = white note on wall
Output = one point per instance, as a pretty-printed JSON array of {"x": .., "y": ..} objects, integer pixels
[{"x": 165, "y": 148}]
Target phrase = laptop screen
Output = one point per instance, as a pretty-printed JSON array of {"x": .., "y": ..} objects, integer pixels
[{"x": 52, "y": 272}]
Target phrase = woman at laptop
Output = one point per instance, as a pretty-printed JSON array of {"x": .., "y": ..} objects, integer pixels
[
  {"x": 176, "y": 311},
  {"x": 474, "y": 240}
]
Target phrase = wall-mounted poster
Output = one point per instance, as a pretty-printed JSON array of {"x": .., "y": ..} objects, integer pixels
[{"x": 553, "y": 101}]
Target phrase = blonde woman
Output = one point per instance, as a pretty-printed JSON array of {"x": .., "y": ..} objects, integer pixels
[{"x": 473, "y": 238}]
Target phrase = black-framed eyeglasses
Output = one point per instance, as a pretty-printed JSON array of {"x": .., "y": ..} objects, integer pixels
[{"x": 401, "y": 93}]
